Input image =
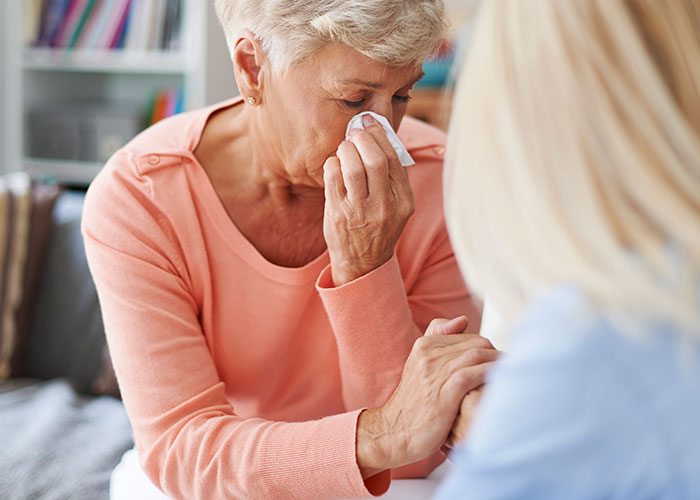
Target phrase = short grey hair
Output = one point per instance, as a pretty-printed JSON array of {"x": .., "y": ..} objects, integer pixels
[{"x": 393, "y": 32}]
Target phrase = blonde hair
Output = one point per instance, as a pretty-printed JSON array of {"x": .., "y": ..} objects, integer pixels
[
  {"x": 393, "y": 32},
  {"x": 574, "y": 155}
]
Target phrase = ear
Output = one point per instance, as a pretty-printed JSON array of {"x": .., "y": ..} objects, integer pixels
[{"x": 248, "y": 62}]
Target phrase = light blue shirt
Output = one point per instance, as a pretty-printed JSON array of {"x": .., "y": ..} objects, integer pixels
[{"x": 576, "y": 410}]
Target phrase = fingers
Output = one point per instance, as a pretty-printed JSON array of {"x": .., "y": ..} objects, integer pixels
[
  {"x": 442, "y": 326},
  {"x": 374, "y": 128},
  {"x": 396, "y": 172},
  {"x": 353, "y": 171},
  {"x": 333, "y": 180},
  {"x": 466, "y": 340},
  {"x": 468, "y": 378},
  {"x": 377, "y": 155},
  {"x": 455, "y": 342},
  {"x": 452, "y": 358},
  {"x": 452, "y": 439},
  {"x": 476, "y": 356},
  {"x": 463, "y": 422},
  {"x": 469, "y": 358},
  {"x": 449, "y": 443},
  {"x": 369, "y": 163}
]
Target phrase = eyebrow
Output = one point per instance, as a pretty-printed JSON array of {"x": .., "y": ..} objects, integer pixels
[{"x": 374, "y": 85}]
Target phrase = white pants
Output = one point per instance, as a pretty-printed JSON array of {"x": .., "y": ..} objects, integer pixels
[{"x": 129, "y": 482}]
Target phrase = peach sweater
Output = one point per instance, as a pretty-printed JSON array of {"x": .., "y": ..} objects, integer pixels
[{"x": 243, "y": 379}]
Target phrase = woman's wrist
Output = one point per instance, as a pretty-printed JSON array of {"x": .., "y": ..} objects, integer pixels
[
  {"x": 374, "y": 444},
  {"x": 343, "y": 277},
  {"x": 343, "y": 274}
]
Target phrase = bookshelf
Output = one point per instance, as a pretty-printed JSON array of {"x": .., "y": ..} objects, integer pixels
[
  {"x": 42, "y": 59},
  {"x": 107, "y": 84}
]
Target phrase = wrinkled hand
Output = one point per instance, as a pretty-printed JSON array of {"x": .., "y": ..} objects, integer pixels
[
  {"x": 442, "y": 367},
  {"x": 368, "y": 202},
  {"x": 464, "y": 418}
]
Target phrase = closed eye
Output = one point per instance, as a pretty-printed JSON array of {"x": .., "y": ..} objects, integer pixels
[
  {"x": 358, "y": 104},
  {"x": 354, "y": 104}
]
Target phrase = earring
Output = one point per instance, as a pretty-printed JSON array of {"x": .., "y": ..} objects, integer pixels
[{"x": 252, "y": 101}]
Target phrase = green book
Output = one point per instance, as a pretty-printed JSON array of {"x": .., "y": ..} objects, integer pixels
[{"x": 81, "y": 24}]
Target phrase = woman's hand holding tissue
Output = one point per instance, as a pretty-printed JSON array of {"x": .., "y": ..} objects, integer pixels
[{"x": 368, "y": 202}]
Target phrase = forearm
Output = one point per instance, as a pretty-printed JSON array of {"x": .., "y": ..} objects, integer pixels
[
  {"x": 230, "y": 457},
  {"x": 374, "y": 331}
]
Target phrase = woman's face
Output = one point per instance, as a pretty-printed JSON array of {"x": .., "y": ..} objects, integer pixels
[{"x": 308, "y": 107}]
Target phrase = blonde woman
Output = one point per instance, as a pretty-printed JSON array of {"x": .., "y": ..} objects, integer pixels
[
  {"x": 261, "y": 284},
  {"x": 576, "y": 132}
]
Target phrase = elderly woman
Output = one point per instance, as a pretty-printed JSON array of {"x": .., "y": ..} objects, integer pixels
[
  {"x": 263, "y": 281},
  {"x": 577, "y": 132}
]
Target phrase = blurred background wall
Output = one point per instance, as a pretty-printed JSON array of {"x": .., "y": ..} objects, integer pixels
[
  {"x": 2, "y": 86},
  {"x": 220, "y": 83}
]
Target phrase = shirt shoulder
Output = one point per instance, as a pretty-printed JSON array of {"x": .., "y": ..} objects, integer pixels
[
  {"x": 162, "y": 147},
  {"x": 426, "y": 145},
  {"x": 176, "y": 134},
  {"x": 423, "y": 141},
  {"x": 144, "y": 187}
]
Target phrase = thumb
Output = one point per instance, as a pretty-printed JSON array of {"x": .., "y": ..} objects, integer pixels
[{"x": 442, "y": 326}]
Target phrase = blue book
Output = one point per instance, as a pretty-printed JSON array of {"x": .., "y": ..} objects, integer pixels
[
  {"x": 180, "y": 103},
  {"x": 54, "y": 15},
  {"x": 125, "y": 29}
]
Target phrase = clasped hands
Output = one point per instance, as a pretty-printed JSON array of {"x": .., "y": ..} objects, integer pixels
[{"x": 432, "y": 406}]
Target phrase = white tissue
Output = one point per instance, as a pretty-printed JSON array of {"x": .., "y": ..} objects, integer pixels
[{"x": 401, "y": 151}]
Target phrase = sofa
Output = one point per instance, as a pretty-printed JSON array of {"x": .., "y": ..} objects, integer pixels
[{"x": 62, "y": 426}]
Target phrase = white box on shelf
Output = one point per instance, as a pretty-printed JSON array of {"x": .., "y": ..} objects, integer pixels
[{"x": 80, "y": 131}]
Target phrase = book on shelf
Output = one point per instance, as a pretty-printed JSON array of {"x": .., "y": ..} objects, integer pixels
[
  {"x": 138, "y": 25},
  {"x": 81, "y": 24},
  {"x": 31, "y": 18},
  {"x": 133, "y": 25},
  {"x": 69, "y": 23},
  {"x": 114, "y": 22},
  {"x": 53, "y": 17},
  {"x": 171, "y": 25},
  {"x": 166, "y": 102},
  {"x": 96, "y": 24},
  {"x": 157, "y": 18}
]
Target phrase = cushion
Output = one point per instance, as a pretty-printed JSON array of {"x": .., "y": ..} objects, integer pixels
[
  {"x": 106, "y": 382},
  {"x": 15, "y": 222},
  {"x": 43, "y": 200},
  {"x": 66, "y": 336},
  {"x": 58, "y": 330}
]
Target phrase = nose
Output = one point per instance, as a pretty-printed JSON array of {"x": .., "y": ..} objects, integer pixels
[{"x": 385, "y": 108}]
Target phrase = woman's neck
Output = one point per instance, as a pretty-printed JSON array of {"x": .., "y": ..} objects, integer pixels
[{"x": 235, "y": 134}]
